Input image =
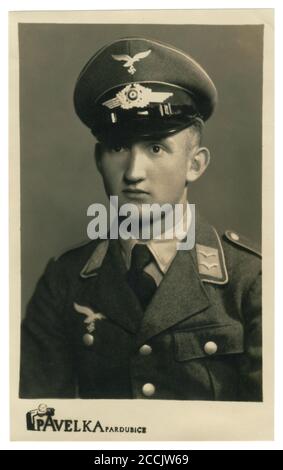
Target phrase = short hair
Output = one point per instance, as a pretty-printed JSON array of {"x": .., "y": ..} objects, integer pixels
[{"x": 197, "y": 128}]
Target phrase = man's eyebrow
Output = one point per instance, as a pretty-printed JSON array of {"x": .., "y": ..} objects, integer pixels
[
  {"x": 110, "y": 145},
  {"x": 166, "y": 141},
  {"x": 161, "y": 140}
]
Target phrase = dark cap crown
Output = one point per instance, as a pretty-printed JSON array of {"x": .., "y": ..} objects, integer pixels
[{"x": 137, "y": 85}]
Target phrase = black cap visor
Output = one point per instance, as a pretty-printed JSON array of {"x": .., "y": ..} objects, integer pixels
[{"x": 144, "y": 124}]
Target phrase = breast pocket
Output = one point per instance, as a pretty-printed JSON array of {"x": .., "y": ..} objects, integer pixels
[
  {"x": 209, "y": 358},
  {"x": 208, "y": 341}
]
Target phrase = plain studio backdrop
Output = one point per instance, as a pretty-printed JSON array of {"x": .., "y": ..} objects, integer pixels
[{"x": 58, "y": 176}]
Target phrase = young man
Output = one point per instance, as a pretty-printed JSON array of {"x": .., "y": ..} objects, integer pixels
[{"x": 134, "y": 318}]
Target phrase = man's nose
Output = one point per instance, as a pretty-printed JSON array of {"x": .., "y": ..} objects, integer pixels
[{"x": 135, "y": 170}]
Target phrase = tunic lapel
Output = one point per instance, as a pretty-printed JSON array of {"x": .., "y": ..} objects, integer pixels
[
  {"x": 107, "y": 291},
  {"x": 179, "y": 296}
]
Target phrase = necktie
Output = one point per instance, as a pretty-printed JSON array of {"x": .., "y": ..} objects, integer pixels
[{"x": 140, "y": 282}]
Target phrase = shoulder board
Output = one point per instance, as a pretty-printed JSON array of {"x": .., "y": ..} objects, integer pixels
[
  {"x": 243, "y": 242},
  {"x": 71, "y": 248}
]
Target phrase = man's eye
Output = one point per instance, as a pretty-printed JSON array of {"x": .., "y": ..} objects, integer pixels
[
  {"x": 156, "y": 148},
  {"x": 117, "y": 148}
]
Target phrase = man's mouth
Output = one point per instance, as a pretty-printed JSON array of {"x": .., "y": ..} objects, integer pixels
[
  {"x": 134, "y": 191},
  {"x": 135, "y": 194}
]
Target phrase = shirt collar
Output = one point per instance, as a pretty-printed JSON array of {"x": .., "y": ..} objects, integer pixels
[
  {"x": 163, "y": 250},
  {"x": 208, "y": 255}
]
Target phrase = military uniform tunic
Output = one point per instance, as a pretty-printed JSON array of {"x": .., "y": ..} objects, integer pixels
[{"x": 85, "y": 334}]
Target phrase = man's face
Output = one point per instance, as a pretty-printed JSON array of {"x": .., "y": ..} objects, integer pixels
[{"x": 148, "y": 171}]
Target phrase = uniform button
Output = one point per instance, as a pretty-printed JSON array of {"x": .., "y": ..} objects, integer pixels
[
  {"x": 210, "y": 347},
  {"x": 88, "y": 339},
  {"x": 148, "y": 390},
  {"x": 145, "y": 350},
  {"x": 234, "y": 236}
]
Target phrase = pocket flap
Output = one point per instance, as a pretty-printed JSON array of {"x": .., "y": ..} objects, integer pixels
[{"x": 208, "y": 341}]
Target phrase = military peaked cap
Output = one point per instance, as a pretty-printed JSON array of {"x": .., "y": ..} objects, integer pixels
[{"x": 142, "y": 87}]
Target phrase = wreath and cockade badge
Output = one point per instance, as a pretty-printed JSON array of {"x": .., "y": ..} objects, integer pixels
[{"x": 136, "y": 96}]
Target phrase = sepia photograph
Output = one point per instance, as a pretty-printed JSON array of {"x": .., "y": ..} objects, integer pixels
[{"x": 141, "y": 189}]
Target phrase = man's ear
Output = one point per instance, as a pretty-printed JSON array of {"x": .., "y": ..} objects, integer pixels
[
  {"x": 197, "y": 164},
  {"x": 97, "y": 156}
]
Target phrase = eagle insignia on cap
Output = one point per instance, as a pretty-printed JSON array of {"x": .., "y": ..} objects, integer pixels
[
  {"x": 129, "y": 61},
  {"x": 136, "y": 96}
]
